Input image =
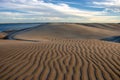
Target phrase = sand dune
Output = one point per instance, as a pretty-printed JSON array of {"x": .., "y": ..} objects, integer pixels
[
  {"x": 66, "y": 31},
  {"x": 108, "y": 26},
  {"x": 63, "y": 52}
]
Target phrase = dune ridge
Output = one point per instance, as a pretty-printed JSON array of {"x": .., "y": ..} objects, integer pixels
[
  {"x": 59, "y": 56},
  {"x": 66, "y": 31}
]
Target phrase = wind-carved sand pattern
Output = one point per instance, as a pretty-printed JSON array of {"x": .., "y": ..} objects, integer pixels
[{"x": 63, "y": 57}]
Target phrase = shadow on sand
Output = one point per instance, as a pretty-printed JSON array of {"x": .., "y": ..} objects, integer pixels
[{"x": 112, "y": 39}]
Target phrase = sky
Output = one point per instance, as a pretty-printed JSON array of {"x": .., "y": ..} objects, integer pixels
[{"x": 79, "y": 11}]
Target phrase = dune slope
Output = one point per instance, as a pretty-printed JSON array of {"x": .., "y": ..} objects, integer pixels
[
  {"x": 66, "y": 31},
  {"x": 62, "y": 53},
  {"x": 62, "y": 60}
]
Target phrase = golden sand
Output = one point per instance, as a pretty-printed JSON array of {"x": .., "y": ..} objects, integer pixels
[{"x": 60, "y": 53}]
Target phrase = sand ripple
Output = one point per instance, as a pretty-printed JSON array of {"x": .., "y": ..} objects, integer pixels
[
  {"x": 61, "y": 55},
  {"x": 60, "y": 60}
]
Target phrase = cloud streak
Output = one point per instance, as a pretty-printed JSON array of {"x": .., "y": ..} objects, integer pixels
[{"x": 109, "y": 5}]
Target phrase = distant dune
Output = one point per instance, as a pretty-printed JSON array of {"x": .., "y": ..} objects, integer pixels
[
  {"x": 67, "y": 31},
  {"x": 61, "y": 52},
  {"x": 108, "y": 26}
]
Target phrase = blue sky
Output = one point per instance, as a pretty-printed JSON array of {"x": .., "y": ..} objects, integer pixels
[{"x": 82, "y": 11}]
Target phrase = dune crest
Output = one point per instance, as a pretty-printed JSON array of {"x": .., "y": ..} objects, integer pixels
[{"x": 65, "y": 31}]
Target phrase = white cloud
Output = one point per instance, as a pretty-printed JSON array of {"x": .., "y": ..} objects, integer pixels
[
  {"x": 114, "y": 3},
  {"x": 110, "y": 5}
]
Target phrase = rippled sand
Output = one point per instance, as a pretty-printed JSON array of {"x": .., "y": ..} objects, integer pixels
[{"x": 61, "y": 52}]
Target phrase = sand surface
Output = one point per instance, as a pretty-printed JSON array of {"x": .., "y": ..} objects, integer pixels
[
  {"x": 61, "y": 52},
  {"x": 2, "y": 35}
]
